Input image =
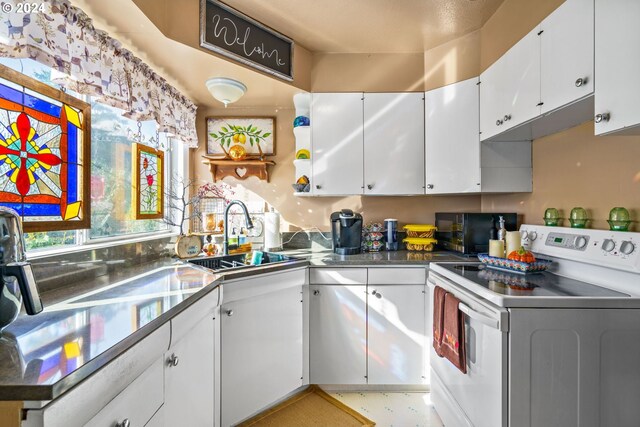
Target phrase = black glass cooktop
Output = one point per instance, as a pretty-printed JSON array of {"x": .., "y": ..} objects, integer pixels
[{"x": 541, "y": 284}]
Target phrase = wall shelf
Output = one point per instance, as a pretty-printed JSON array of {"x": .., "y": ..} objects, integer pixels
[{"x": 239, "y": 169}]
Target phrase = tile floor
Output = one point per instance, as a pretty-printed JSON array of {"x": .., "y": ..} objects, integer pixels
[{"x": 393, "y": 409}]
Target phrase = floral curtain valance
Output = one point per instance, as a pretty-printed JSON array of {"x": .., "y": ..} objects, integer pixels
[{"x": 64, "y": 38}]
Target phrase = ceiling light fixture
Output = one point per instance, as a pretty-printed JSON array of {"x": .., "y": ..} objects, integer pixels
[{"x": 226, "y": 90}]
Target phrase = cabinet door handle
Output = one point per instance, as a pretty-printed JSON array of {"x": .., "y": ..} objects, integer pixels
[
  {"x": 318, "y": 187},
  {"x": 229, "y": 312},
  {"x": 581, "y": 81},
  {"x": 604, "y": 117},
  {"x": 172, "y": 361},
  {"x": 498, "y": 122},
  {"x": 316, "y": 292},
  {"x": 507, "y": 117},
  {"x": 430, "y": 186},
  {"x": 370, "y": 186},
  {"x": 124, "y": 423}
]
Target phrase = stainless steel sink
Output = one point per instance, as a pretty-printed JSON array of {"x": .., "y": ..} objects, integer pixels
[{"x": 237, "y": 261}]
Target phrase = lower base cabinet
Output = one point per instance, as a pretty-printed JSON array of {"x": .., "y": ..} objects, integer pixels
[
  {"x": 368, "y": 326},
  {"x": 189, "y": 377},
  {"x": 337, "y": 334},
  {"x": 262, "y": 348},
  {"x": 397, "y": 351}
]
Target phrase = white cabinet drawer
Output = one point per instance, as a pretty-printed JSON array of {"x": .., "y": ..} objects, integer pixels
[
  {"x": 137, "y": 403},
  {"x": 338, "y": 276},
  {"x": 397, "y": 276}
]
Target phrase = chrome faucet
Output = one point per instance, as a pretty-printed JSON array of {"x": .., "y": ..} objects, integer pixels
[{"x": 249, "y": 223}]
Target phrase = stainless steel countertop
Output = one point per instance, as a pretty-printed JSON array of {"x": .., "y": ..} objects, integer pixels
[{"x": 89, "y": 323}]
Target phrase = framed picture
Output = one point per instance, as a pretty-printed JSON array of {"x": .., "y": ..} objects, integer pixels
[
  {"x": 256, "y": 134},
  {"x": 148, "y": 182},
  {"x": 45, "y": 154}
]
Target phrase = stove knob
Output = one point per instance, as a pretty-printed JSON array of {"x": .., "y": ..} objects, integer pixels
[
  {"x": 533, "y": 236},
  {"x": 627, "y": 247},
  {"x": 608, "y": 245},
  {"x": 524, "y": 235},
  {"x": 581, "y": 242}
]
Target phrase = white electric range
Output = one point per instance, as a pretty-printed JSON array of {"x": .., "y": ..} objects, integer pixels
[{"x": 559, "y": 348}]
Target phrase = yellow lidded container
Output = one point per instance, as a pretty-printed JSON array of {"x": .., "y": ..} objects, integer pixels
[
  {"x": 420, "y": 243},
  {"x": 420, "y": 230}
]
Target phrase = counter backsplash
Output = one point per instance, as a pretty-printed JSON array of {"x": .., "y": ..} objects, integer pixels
[
  {"x": 55, "y": 271},
  {"x": 316, "y": 241}
]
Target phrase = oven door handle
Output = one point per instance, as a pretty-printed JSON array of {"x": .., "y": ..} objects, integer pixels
[{"x": 472, "y": 314}]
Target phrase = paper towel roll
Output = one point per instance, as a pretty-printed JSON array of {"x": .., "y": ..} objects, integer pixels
[{"x": 272, "y": 238}]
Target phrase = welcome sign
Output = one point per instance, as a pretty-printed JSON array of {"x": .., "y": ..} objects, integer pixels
[{"x": 230, "y": 33}]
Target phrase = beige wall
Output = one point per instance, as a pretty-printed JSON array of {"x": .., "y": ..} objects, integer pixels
[
  {"x": 377, "y": 72},
  {"x": 512, "y": 21},
  {"x": 452, "y": 62},
  {"x": 575, "y": 168}
]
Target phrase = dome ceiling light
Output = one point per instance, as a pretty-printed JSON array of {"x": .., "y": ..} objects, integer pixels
[{"x": 226, "y": 90}]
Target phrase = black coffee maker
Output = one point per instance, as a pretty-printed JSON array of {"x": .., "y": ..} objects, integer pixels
[{"x": 346, "y": 228}]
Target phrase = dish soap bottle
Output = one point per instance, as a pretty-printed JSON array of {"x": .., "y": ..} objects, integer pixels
[
  {"x": 233, "y": 239},
  {"x": 242, "y": 238}
]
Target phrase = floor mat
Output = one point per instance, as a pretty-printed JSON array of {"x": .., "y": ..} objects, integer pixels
[{"x": 309, "y": 408}]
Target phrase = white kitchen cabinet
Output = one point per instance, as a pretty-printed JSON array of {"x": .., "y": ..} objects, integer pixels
[
  {"x": 393, "y": 143},
  {"x": 397, "y": 351},
  {"x": 510, "y": 88},
  {"x": 262, "y": 350},
  {"x": 338, "y": 334},
  {"x": 190, "y": 364},
  {"x": 337, "y": 144},
  {"x": 566, "y": 51},
  {"x": 457, "y": 162},
  {"x": 189, "y": 377},
  {"x": 617, "y": 65},
  {"x": 452, "y": 140},
  {"x": 136, "y": 404}
]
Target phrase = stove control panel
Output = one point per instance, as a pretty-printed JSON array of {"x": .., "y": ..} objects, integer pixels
[
  {"x": 567, "y": 241},
  {"x": 613, "y": 249}
]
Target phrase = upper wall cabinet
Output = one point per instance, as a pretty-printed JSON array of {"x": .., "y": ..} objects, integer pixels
[
  {"x": 336, "y": 143},
  {"x": 532, "y": 90},
  {"x": 367, "y": 144},
  {"x": 567, "y": 54},
  {"x": 393, "y": 143},
  {"x": 457, "y": 162},
  {"x": 617, "y": 67},
  {"x": 451, "y": 122},
  {"x": 510, "y": 89}
]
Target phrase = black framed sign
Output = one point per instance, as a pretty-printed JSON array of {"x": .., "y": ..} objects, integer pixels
[{"x": 229, "y": 32}]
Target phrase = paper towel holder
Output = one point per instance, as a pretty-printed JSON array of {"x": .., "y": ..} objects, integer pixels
[{"x": 272, "y": 236}]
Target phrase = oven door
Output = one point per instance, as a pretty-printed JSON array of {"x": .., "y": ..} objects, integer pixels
[{"x": 479, "y": 397}]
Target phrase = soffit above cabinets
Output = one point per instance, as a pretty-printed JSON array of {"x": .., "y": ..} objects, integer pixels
[{"x": 370, "y": 26}]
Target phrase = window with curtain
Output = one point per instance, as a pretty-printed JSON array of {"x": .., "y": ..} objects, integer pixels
[{"x": 112, "y": 137}]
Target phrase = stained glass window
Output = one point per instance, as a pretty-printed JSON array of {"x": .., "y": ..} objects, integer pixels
[
  {"x": 44, "y": 154},
  {"x": 148, "y": 182}
]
